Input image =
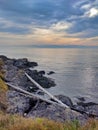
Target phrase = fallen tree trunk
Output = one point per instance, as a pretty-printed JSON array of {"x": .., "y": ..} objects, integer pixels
[
  {"x": 31, "y": 95},
  {"x": 45, "y": 91},
  {"x": 58, "y": 101}
]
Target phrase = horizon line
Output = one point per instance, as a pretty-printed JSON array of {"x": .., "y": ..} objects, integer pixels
[
  {"x": 62, "y": 46},
  {"x": 52, "y": 46}
]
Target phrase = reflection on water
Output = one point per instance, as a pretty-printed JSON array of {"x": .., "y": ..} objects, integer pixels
[{"x": 76, "y": 69}]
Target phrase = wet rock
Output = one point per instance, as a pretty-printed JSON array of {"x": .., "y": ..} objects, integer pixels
[
  {"x": 42, "y": 80},
  {"x": 20, "y": 63},
  {"x": 32, "y": 64},
  {"x": 41, "y": 73},
  {"x": 23, "y": 63},
  {"x": 83, "y": 104},
  {"x": 66, "y": 100},
  {"x": 82, "y": 99},
  {"x": 51, "y": 72},
  {"x": 4, "y": 58},
  {"x": 90, "y": 107},
  {"x": 93, "y": 110}
]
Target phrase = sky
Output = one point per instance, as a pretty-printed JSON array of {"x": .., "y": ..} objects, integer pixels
[{"x": 49, "y": 22}]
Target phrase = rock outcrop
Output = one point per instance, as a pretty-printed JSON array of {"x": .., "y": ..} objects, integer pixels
[{"x": 18, "y": 103}]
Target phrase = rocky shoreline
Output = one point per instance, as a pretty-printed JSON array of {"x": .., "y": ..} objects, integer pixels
[{"x": 20, "y": 104}]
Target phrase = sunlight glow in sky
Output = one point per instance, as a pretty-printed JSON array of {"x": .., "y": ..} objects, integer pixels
[
  {"x": 49, "y": 22},
  {"x": 93, "y": 12}
]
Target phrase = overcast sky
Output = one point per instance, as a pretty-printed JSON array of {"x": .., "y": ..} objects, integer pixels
[{"x": 61, "y": 22}]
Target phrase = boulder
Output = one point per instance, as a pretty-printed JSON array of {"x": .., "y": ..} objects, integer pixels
[
  {"x": 24, "y": 63},
  {"x": 42, "y": 80},
  {"x": 41, "y": 73},
  {"x": 4, "y": 58},
  {"x": 32, "y": 64},
  {"x": 89, "y": 107},
  {"x": 82, "y": 99},
  {"x": 51, "y": 72},
  {"x": 66, "y": 100}
]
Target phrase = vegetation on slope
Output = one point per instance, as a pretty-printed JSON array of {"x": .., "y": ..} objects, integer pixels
[
  {"x": 3, "y": 89},
  {"x": 14, "y": 122}
]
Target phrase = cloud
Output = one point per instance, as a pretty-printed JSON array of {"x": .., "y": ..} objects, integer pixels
[
  {"x": 87, "y": 22},
  {"x": 69, "y": 18},
  {"x": 93, "y": 12}
]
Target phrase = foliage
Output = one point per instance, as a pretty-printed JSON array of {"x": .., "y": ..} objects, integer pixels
[
  {"x": 1, "y": 70},
  {"x": 3, "y": 88},
  {"x": 15, "y": 122}
]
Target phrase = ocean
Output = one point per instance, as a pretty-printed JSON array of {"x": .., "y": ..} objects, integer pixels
[{"x": 76, "y": 69}]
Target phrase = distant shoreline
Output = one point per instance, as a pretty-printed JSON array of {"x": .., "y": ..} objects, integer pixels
[{"x": 53, "y": 46}]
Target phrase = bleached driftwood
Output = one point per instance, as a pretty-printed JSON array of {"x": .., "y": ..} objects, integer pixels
[
  {"x": 36, "y": 97},
  {"x": 60, "y": 103},
  {"x": 31, "y": 95},
  {"x": 45, "y": 91}
]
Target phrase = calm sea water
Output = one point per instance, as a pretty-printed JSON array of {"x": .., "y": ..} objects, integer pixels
[{"x": 76, "y": 70}]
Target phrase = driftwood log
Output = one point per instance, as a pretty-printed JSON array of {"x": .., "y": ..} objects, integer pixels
[
  {"x": 45, "y": 91},
  {"x": 55, "y": 102},
  {"x": 31, "y": 95},
  {"x": 60, "y": 103}
]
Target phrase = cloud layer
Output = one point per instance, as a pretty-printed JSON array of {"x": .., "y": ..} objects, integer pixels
[{"x": 50, "y": 21}]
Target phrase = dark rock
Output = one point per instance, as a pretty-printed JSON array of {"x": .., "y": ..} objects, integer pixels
[
  {"x": 56, "y": 113},
  {"x": 90, "y": 108},
  {"x": 40, "y": 92},
  {"x": 4, "y": 58},
  {"x": 32, "y": 72},
  {"x": 17, "y": 103},
  {"x": 24, "y": 63},
  {"x": 46, "y": 82},
  {"x": 41, "y": 73},
  {"x": 51, "y": 72},
  {"x": 21, "y": 63},
  {"x": 32, "y": 104},
  {"x": 32, "y": 64},
  {"x": 66, "y": 100},
  {"x": 82, "y": 99},
  {"x": 86, "y": 104},
  {"x": 79, "y": 108},
  {"x": 9, "y": 62},
  {"x": 42, "y": 80},
  {"x": 10, "y": 73}
]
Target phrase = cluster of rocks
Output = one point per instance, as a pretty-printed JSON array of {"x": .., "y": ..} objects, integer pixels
[{"x": 15, "y": 74}]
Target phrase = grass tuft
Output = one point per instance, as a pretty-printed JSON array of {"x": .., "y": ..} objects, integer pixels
[{"x": 15, "y": 122}]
